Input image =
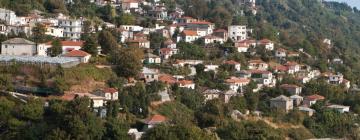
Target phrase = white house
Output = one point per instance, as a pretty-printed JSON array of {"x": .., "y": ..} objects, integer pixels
[
  {"x": 292, "y": 89},
  {"x": 97, "y": 101},
  {"x": 20, "y": 46},
  {"x": 186, "y": 84},
  {"x": 236, "y": 65},
  {"x": 268, "y": 44},
  {"x": 213, "y": 39},
  {"x": 190, "y": 35},
  {"x": 129, "y": 5},
  {"x": 110, "y": 94},
  {"x": 263, "y": 77},
  {"x": 170, "y": 44},
  {"x": 237, "y": 32},
  {"x": 151, "y": 59},
  {"x": 280, "y": 53},
  {"x": 211, "y": 94},
  {"x": 166, "y": 53},
  {"x": 83, "y": 57},
  {"x": 8, "y": 16},
  {"x": 211, "y": 68},
  {"x": 312, "y": 99},
  {"x": 141, "y": 43},
  {"x": 282, "y": 102},
  {"x": 72, "y": 28},
  {"x": 336, "y": 79},
  {"x": 292, "y": 67},
  {"x": 134, "y": 28},
  {"x": 237, "y": 83},
  {"x": 67, "y": 46},
  {"x": 258, "y": 64},
  {"x": 340, "y": 108},
  {"x": 54, "y": 31},
  {"x": 149, "y": 75},
  {"x": 3, "y": 29},
  {"x": 182, "y": 63}
]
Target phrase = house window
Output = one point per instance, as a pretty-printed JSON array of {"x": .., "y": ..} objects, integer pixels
[{"x": 5, "y": 46}]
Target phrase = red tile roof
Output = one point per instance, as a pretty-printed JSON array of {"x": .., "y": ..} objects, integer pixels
[
  {"x": 259, "y": 71},
  {"x": 281, "y": 50},
  {"x": 237, "y": 80},
  {"x": 291, "y": 63},
  {"x": 279, "y": 68},
  {"x": 185, "y": 82},
  {"x": 156, "y": 119},
  {"x": 166, "y": 78},
  {"x": 265, "y": 41},
  {"x": 231, "y": 62},
  {"x": 315, "y": 97},
  {"x": 165, "y": 50},
  {"x": 220, "y": 30},
  {"x": 77, "y": 53},
  {"x": 190, "y": 33},
  {"x": 68, "y": 97},
  {"x": 110, "y": 90}
]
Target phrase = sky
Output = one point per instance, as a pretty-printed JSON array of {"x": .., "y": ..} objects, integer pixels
[{"x": 352, "y": 3}]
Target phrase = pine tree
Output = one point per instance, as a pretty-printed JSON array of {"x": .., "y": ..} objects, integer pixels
[
  {"x": 90, "y": 46},
  {"x": 56, "y": 48}
]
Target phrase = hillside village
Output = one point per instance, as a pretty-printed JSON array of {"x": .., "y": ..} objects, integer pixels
[{"x": 178, "y": 54}]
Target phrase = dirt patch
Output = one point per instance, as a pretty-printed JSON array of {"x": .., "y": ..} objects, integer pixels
[{"x": 86, "y": 86}]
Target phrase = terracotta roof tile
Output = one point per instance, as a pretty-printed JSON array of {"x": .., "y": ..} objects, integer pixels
[
  {"x": 156, "y": 119},
  {"x": 231, "y": 62},
  {"x": 166, "y": 78},
  {"x": 185, "y": 82},
  {"x": 110, "y": 90},
  {"x": 237, "y": 80},
  {"x": 190, "y": 33},
  {"x": 265, "y": 41},
  {"x": 315, "y": 97},
  {"x": 77, "y": 53}
]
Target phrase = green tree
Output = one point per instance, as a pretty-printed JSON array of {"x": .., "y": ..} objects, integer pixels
[
  {"x": 6, "y": 82},
  {"x": 125, "y": 19},
  {"x": 90, "y": 46},
  {"x": 38, "y": 33},
  {"x": 55, "y": 6},
  {"x": 56, "y": 48},
  {"x": 116, "y": 129},
  {"x": 177, "y": 132},
  {"x": 107, "y": 42},
  {"x": 33, "y": 110},
  {"x": 252, "y": 98},
  {"x": 107, "y": 13},
  {"x": 127, "y": 61}
]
